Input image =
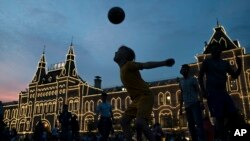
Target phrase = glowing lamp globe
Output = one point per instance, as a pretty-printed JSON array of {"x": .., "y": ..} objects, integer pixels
[{"x": 116, "y": 15}]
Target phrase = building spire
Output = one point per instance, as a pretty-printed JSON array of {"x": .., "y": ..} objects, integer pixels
[
  {"x": 44, "y": 47},
  {"x": 72, "y": 41},
  {"x": 218, "y": 23}
]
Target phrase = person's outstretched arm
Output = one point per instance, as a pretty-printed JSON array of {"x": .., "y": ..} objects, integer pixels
[{"x": 149, "y": 65}]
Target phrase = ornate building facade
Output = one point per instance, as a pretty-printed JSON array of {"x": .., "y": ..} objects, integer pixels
[{"x": 50, "y": 89}]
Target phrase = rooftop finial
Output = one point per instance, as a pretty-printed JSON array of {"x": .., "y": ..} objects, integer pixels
[
  {"x": 44, "y": 49},
  {"x": 72, "y": 41},
  {"x": 218, "y": 23}
]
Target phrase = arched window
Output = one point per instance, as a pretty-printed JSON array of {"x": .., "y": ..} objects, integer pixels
[
  {"x": 113, "y": 103},
  {"x": 22, "y": 125},
  {"x": 30, "y": 109},
  {"x": 37, "y": 108},
  {"x": 178, "y": 97},
  {"x": 92, "y": 107},
  {"x": 54, "y": 106},
  {"x": 71, "y": 105},
  {"x": 167, "y": 98},
  {"x": 76, "y": 104},
  {"x": 127, "y": 101},
  {"x": 60, "y": 104},
  {"x": 86, "y": 106},
  {"x": 161, "y": 99},
  {"x": 51, "y": 107},
  {"x": 46, "y": 107},
  {"x": 118, "y": 101},
  {"x": 41, "y": 108}
]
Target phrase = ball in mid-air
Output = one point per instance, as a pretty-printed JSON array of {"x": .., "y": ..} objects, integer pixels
[{"x": 116, "y": 15}]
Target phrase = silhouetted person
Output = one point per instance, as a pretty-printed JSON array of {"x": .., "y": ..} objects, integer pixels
[
  {"x": 104, "y": 109},
  {"x": 75, "y": 128},
  {"x": 193, "y": 102},
  {"x": 141, "y": 96},
  {"x": 39, "y": 129},
  {"x": 13, "y": 135},
  {"x": 157, "y": 130},
  {"x": 1, "y": 110},
  {"x": 55, "y": 133},
  {"x": 219, "y": 101},
  {"x": 65, "y": 119},
  {"x": 208, "y": 129}
]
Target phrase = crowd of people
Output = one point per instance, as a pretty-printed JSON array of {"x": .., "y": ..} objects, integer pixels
[{"x": 210, "y": 85}]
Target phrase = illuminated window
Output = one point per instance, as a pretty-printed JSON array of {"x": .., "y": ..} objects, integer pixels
[
  {"x": 13, "y": 113},
  {"x": 127, "y": 101},
  {"x": 178, "y": 97},
  {"x": 161, "y": 99},
  {"x": 76, "y": 103},
  {"x": 51, "y": 107},
  {"x": 5, "y": 114},
  {"x": 71, "y": 105},
  {"x": 54, "y": 106},
  {"x": 37, "y": 108},
  {"x": 41, "y": 108},
  {"x": 118, "y": 102},
  {"x": 13, "y": 124},
  {"x": 60, "y": 103},
  {"x": 168, "y": 98},
  {"x": 113, "y": 103},
  {"x": 86, "y": 106},
  {"x": 27, "y": 125},
  {"x": 30, "y": 109},
  {"x": 22, "y": 126}
]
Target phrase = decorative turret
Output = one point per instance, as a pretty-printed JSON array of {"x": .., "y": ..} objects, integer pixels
[
  {"x": 221, "y": 37},
  {"x": 41, "y": 70},
  {"x": 69, "y": 67}
]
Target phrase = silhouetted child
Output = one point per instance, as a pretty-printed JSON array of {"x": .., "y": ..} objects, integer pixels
[{"x": 142, "y": 98}]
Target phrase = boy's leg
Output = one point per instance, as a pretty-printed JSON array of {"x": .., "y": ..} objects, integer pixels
[
  {"x": 142, "y": 126},
  {"x": 126, "y": 128},
  {"x": 144, "y": 115},
  {"x": 191, "y": 124},
  {"x": 197, "y": 113}
]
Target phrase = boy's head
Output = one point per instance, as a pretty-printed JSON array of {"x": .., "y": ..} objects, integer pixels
[
  {"x": 185, "y": 69},
  {"x": 216, "y": 50},
  {"x": 124, "y": 53},
  {"x": 104, "y": 96}
]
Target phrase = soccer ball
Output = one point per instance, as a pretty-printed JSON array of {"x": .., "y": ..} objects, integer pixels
[{"x": 116, "y": 15}]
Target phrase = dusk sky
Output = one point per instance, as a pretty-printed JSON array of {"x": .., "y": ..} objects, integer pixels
[{"x": 155, "y": 29}]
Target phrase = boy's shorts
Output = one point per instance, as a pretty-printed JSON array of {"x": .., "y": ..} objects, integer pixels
[{"x": 141, "y": 106}]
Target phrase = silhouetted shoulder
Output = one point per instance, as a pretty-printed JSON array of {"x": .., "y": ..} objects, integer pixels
[{"x": 131, "y": 65}]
